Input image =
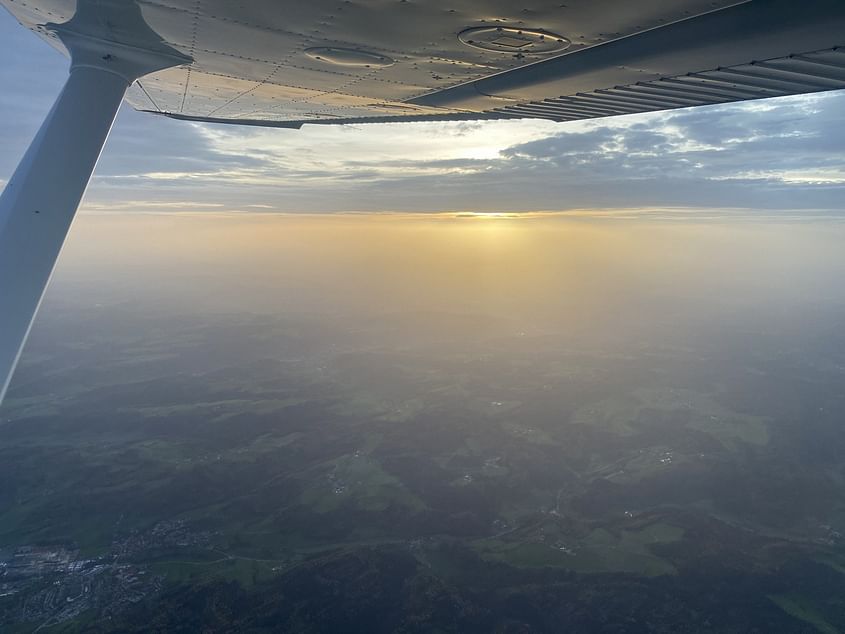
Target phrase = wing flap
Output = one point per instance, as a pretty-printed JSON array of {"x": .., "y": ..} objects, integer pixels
[{"x": 774, "y": 78}]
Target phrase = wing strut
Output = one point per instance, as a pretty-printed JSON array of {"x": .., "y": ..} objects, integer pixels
[{"x": 40, "y": 200}]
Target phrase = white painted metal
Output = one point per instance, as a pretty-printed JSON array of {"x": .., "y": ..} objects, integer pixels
[
  {"x": 737, "y": 35},
  {"x": 251, "y": 58},
  {"x": 40, "y": 200},
  {"x": 259, "y": 62},
  {"x": 110, "y": 46}
]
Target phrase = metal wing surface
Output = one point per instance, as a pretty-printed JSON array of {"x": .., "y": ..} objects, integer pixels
[{"x": 287, "y": 63}]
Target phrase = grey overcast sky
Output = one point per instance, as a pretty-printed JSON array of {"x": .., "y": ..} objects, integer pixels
[{"x": 783, "y": 155}]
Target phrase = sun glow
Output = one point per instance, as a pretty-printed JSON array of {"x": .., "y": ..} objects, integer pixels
[{"x": 490, "y": 215}]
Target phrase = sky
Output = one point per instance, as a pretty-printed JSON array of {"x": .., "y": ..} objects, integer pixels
[{"x": 781, "y": 156}]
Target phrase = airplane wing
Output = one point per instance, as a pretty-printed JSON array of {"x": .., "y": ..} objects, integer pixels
[{"x": 285, "y": 64}]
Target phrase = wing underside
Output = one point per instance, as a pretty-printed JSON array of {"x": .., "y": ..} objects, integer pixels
[{"x": 285, "y": 64}]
